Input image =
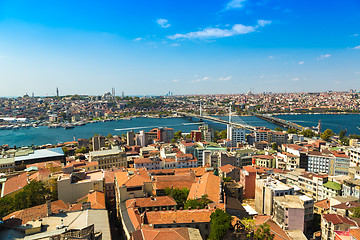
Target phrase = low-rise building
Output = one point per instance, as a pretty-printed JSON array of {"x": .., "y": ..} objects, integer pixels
[
  {"x": 293, "y": 212},
  {"x": 334, "y": 222},
  {"x": 208, "y": 185},
  {"x": 267, "y": 161},
  {"x": 112, "y": 158},
  {"x": 230, "y": 171},
  {"x": 199, "y": 219},
  {"x": 152, "y": 203},
  {"x": 73, "y": 186},
  {"x": 266, "y": 190}
]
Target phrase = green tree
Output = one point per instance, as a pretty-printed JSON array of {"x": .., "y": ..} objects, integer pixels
[
  {"x": 356, "y": 212},
  {"x": 342, "y": 134},
  {"x": 31, "y": 195},
  {"x": 109, "y": 136},
  {"x": 326, "y": 135},
  {"x": 198, "y": 203},
  {"x": 263, "y": 233},
  {"x": 275, "y": 146},
  {"x": 227, "y": 179},
  {"x": 173, "y": 140},
  {"x": 279, "y": 129},
  {"x": 66, "y": 151},
  {"x": 220, "y": 223},
  {"x": 223, "y": 134},
  {"x": 81, "y": 150},
  {"x": 292, "y": 131},
  {"x": 178, "y": 135},
  {"x": 308, "y": 133},
  {"x": 216, "y": 136},
  {"x": 179, "y": 195}
]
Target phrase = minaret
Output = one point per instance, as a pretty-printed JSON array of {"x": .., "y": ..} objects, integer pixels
[
  {"x": 57, "y": 91},
  {"x": 200, "y": 110}
]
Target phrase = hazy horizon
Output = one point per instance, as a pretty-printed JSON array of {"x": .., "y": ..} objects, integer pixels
[{"x": 186, "y": 47}]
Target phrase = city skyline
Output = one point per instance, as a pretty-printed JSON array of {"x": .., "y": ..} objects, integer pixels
[{"x": 151, "y": 48}]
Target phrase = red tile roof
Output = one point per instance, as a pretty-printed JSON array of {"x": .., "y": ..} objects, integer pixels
[
  {"x": 161, "y": 234},
  {"x": 324, "y": 204},
  {"x": 123, "y": 178},
  {"x": 14, "y": 184},
  {"x": 228, "y": 168},
  {"x": 151, "y": 202},
  {"x": 179, "y": 216},
  {"x": 209, "y": 185},
  {"x": 38, "y": 212},
  {"x": 338, "y": 219}
]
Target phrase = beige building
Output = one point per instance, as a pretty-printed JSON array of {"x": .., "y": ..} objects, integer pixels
[
  {"x": 73, "y": 186},
  {"x": 266, "y": 190},
  {"x": 293, "y": 212},
  {"x": 311, "y": 184},
  {"x": 112, "y": 158},
  {"x": 130, "y": 185},
  {"x": 334, "y": 222}
]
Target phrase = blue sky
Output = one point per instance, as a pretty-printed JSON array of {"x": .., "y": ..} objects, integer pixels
[{"x": 187, "y": 47}]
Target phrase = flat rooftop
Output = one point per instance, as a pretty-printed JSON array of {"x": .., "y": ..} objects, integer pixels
[{"x": 41, "y": 153}]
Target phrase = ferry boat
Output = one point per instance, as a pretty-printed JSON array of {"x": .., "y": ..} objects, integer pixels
[{"x": 68, "y": 126}]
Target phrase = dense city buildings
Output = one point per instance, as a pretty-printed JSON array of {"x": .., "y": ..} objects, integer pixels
[{"x": 159, "y": 181}]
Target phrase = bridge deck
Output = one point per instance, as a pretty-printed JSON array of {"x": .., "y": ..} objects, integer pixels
[{"x": 268, "y": 118}]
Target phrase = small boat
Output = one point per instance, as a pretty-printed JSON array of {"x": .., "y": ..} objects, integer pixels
[
  {"x": 68, "y": 126},
  {"x": 127, "y": 118}
]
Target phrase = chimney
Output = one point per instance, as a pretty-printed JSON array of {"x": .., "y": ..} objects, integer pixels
[
  {"x": 48, "y": 208},
  {"x": 85, "y": 205}
]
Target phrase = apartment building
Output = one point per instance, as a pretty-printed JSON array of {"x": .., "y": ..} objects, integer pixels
[
  {"x": 293, "y": 212},
  {"x": 107, "y": 159},
  {"x": 289, "y": 161},
  {"x": 334, "y": 163},
  {"x": 267, "y": 161},
  {"x": 334, "y": 222},
  {"x": 235, "y": 135},
  {"x": 311, "y": 184},
  {"x": 266, "y": 190},
  {"x": 73, "y": 186}
]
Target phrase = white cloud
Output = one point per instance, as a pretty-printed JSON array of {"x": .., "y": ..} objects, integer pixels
[
  {"x": 355, "y": 35},
  {"x": 338, "y": 82},
  {"x": 261, "y": 76},
  {"x": 235, "y": 4},
  {"x": 295, "y": 79},
  {"x": 202, "y": 79},
  {"x": 225, "y": 79},
  {"x": 175, "y": 45},
  {"x": 163, "y": 23},
  {"x": 271, "y": 57},
  {"x": 357, "y": 73},
  {"x": 301, "y": 63},
  {"x": 324, "y": 56},
  {"x": 176, "y": 80},
  {"x": 263, "y": 22},
  {"x": 137, "y": 39},
  {"x": 207, "y": 33},
  {"x": 357, "y": 47},
  {"x": 212, "y": 33}
]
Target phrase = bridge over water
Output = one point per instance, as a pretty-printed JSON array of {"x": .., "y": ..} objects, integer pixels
[
  {"x": 214, "y": 119},
  {"x": 266, "y": 117}
]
